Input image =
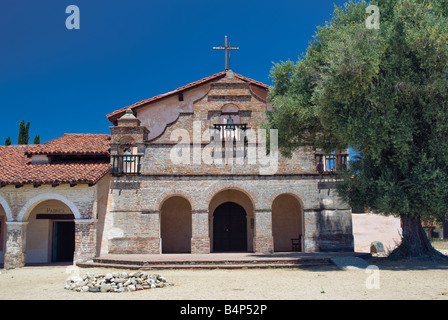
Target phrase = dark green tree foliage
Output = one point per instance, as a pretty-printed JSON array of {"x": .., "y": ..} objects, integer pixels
[
  {"x": 37, "y": 139},
  {"x": 8, "y": 141},
  {"x": 385, "y": 93},
  {"x": 24, "y": 136}
]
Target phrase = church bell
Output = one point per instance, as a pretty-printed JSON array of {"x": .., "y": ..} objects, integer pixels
[{"x": 230, "y": 125}]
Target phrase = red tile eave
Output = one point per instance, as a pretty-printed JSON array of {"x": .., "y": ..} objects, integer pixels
[
  {"x": 112, "y": 117},
  {"x": 258, "y": 83},
  {"x": 59, "y": 176},
  {"x": 16, "y": 169},
  {"x": 116, "y": 114}
]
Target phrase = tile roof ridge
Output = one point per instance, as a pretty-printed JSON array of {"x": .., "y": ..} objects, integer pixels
[
  {"x": 111, "y": 117},
  {"x": 20, "y": 146},
  {"x": 261, "y": 84},
  {"x": 159, "y": 96}
]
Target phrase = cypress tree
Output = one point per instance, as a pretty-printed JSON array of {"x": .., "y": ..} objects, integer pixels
[{"x": 23, "y": 133}]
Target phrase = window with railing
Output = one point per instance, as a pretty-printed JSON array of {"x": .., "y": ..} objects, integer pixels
[
  {"x": 126, "y": 164},
  {"x": 231, "y": 131},
  {"x": 330, "y": 163},
  {"x": 232, "y": 139}
]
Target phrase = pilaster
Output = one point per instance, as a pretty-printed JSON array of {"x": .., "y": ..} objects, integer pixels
[
  {"x": 15, "y": 255},
  {"x": 85, "y": 240},
  {"x": 200, "y": 238},
  {"x": 263, "y": 240}
]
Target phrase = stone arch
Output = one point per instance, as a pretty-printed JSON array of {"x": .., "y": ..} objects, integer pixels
[
  {"x": 229, "y": 106},
  {"x": 218, "y": 187},
  {"x": 232, "y": 197},
  {"x": 7, "y": 209},
  {"x": 292, "y": 194},
  {"x": 172, "y": 193},
  {"x": 33, "y": 202},
  {"x": 230, "y": 111},
  {"x": 287, "y": 222},
  {"x": 246, "y": 201},
  {"x": 126, "y": 143},
  {"x": 176, "y": 225},
  {"x": 51, "y": 238}
]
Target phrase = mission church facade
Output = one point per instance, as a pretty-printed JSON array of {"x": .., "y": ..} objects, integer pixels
[{"x": 142, "y": 190}]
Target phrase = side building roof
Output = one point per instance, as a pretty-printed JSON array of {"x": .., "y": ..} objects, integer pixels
[{"x": 17, "y": 167}]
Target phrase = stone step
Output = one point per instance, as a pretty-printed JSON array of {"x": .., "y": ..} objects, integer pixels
[
  {"x": 207, "y": 264},
  {"x": 200, "y": 266}
]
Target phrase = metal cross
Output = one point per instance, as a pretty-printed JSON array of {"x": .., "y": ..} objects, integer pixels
[{"x": 227, "y": 49}]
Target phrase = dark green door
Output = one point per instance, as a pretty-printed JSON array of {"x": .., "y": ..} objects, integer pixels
[
  {"x": 229, "y": 228},
  {"x": 63, "y": 241}
]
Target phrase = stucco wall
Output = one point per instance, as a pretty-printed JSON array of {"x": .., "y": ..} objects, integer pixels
[
  {"x": 369, "y": 227},
  {"x": 20, "y": 206}
]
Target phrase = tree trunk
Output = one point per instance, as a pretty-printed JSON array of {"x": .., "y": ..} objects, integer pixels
[
  {"x": 445, "y": 229},
  {"x": 415, "y": 242}
]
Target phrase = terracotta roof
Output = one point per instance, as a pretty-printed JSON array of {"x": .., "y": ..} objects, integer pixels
[
  {"x": 83, "y": 144},
  {"x": 16, "y": 167},
  {"x": 116, "y": 114}
]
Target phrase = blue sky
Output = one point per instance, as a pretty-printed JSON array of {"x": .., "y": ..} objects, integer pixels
[{"x": 67, "y": 81}]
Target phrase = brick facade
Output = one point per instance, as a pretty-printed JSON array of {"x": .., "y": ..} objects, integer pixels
[
  {"x": 137, "y": 199},
  {"x": 164, "y": 189}
]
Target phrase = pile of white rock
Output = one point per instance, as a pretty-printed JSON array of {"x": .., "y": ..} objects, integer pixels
[{"x": 116, "y": 282}]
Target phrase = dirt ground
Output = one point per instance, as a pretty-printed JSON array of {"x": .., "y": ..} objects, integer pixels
[{"x": 391, "y": 280}]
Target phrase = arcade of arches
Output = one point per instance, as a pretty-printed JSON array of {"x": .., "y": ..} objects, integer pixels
[
  {"x": 50, "y": 226},
  {"x": 231, "y": 223}
]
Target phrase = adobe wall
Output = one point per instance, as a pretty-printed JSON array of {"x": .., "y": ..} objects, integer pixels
[
  {"x": 167, "y": 111},
  {"x": 27, "y": 239},
  {"x": 370, "y": 227},
  {"x": 23, "y": 200}
]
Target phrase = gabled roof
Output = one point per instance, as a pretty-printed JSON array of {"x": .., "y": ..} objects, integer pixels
[
  {"x": 80, "y": 144},
  {"x": 16, "y": 167},
  {"x": 116, "y": 114}
]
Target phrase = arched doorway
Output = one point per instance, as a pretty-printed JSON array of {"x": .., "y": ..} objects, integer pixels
[
  {"x": 229, "y": 228},
  {"x": 243, "y": 206},
  {"x": 176, "y": 225},
  {"x": 287, "y": 222},
  {"x": 50, "y": 233}
]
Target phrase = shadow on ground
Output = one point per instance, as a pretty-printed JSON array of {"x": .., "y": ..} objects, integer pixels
[{"x": 407, "y": 264}]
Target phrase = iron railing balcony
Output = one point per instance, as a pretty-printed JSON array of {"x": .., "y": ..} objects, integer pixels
[
  {"x": 126, "y": 164},
  {"x": 231, "y": 131}
]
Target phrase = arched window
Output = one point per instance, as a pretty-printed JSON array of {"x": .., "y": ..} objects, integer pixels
[
  {"x": 230, "y": 123},
  {"x": 127, "y": 161}
]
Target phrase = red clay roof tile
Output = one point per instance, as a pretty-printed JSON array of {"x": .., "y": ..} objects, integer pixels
[
  {"x": 16, "y": 167},
  {"x": 83, "y": 144}
]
